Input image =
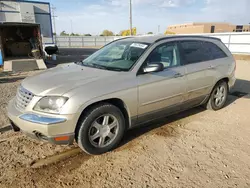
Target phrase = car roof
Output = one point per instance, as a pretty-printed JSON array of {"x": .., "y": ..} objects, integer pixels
[{"x": 156, "y": 38}]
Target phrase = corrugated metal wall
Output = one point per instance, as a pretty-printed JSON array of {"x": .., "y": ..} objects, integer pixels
[
  {"x": 92, "y": 41},
  {"x": 238, "y": 43}
]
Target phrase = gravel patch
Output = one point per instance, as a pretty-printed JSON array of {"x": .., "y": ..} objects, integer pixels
[
  {"x": 8, "y": 88},
  {"x": 196, "y": 148}
]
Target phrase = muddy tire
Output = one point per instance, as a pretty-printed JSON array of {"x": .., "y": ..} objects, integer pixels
[
  {"x": 101, "y": 129},
  {"x": 218, "y": 96}
]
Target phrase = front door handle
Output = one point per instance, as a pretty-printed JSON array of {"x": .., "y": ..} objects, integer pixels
[{"x": 177, "y": 75}]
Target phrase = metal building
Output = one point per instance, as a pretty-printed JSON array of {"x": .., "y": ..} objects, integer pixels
[{"x": 22, "y": 11}]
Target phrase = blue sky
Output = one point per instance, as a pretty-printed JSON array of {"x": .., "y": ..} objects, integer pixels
[{"x": 93, "y": 16}]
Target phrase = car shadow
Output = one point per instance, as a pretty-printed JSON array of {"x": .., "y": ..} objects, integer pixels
[
  {"x": 241, "y": 89},
  {"x": 11, "y": 79},
  {"x": 148, "y": 127},
  {"x": 5, "y": 129}
]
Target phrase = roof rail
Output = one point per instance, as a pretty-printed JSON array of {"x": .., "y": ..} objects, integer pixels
[{"x": 187, "y": 36}]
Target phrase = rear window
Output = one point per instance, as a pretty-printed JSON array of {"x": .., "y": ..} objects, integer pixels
[{"x": 199, "y": 51}]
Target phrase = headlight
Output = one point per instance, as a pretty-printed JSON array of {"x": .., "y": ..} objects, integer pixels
[{"x": 50, "y": 104}]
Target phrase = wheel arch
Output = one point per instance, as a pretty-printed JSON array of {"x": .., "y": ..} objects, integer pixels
[
  {"x": 207, "y": 102},
  {"x": 119, "y": 103},
  {"x": 226, "y": 79}
]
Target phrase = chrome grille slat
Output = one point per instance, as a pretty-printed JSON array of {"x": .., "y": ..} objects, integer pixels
[{"x": 23, "y": 98}]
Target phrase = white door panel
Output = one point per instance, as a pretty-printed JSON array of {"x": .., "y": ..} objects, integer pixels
[
  {"x": 198, "y": 57},
  {"x": 162, "y": 89},
  {"x": 220, "y": 68},
  {"x": 198, "y": 80}
]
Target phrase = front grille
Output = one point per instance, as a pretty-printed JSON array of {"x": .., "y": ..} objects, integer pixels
[{"x": 23, "y": 98}]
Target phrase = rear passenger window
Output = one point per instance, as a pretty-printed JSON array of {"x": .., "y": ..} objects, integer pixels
[
  {"x": 199, "y": 51},
  {"x": 192, "y": 52},
  {"x": 214, "y": 51}
]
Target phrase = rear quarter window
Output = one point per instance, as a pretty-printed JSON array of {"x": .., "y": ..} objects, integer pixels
[
  {"x": 198, "y": 51},
  {"x": 214, "y": 51}
]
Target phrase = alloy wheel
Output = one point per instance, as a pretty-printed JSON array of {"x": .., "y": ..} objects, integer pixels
[
  {"x": 103, "y": 130},
  {"x": 220, "y": 95}
]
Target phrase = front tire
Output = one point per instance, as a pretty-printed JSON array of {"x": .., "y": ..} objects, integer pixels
[
  {"x": 218, "y": 96},
  {"x": 100, "y": 129}
]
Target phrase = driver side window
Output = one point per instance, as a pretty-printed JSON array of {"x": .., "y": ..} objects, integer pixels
[{"x": 167, "y": 54}]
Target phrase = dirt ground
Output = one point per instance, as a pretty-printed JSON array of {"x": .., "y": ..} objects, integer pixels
[{"x": 196, "y": 148}]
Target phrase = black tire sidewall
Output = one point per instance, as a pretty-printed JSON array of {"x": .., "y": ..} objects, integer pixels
[
  {"x": 212, "y": 102},
  {"x": 95, "y": 112}
]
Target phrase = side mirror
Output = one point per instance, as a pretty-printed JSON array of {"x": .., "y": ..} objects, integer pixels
[{"x": 154, "y": 67}]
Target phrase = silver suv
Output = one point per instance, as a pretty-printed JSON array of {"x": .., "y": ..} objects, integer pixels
[{"x": 126, "y": 83}]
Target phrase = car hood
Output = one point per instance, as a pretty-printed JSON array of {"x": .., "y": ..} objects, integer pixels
[{"x": 60, "y": 80}]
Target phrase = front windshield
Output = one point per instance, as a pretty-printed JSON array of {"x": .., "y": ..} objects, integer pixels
[{"x": 117, "y": 56}]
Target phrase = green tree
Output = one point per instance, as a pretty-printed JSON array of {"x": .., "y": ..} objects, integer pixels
[
  {"x": 107, "y": 33},
  {"x": 63, "y": 33},
  {"x": 74, "y": 34},
  {"x": 88, "y": 35},
  {"x": 150, "y": 33}
]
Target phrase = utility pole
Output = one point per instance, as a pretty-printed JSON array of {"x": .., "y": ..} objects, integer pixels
[
  {"x": 71, "y": 26},
  {"x": 54, "y": 20},
  {"x": 159, "y": 29},
  {"x": 130, "y": 17}
]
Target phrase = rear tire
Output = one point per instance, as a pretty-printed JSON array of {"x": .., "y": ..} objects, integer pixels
[
  {"x": 218, "y": 96},
  {"x": 100, "y": 129}
]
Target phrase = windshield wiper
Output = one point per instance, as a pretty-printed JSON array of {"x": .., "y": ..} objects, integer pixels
[
  {"x": 90, "y": 65},
  {"x": 115, "y": 69},
  {"x": 107, "y": 67},
  {"x": 99, "y": 66},
  {"x": 82, "y": 64}
]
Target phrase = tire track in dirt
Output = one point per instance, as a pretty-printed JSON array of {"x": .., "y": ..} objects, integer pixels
[{"x": 50, "y": 168}]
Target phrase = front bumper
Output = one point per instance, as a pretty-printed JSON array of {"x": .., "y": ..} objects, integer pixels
[{"x": 56, "y": 129}]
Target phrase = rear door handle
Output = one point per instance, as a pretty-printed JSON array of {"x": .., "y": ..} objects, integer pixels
[{"x": 177, "y": 75}]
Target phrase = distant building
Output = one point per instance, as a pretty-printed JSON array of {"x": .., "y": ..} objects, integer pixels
[{"x": 213, "y": 27}]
